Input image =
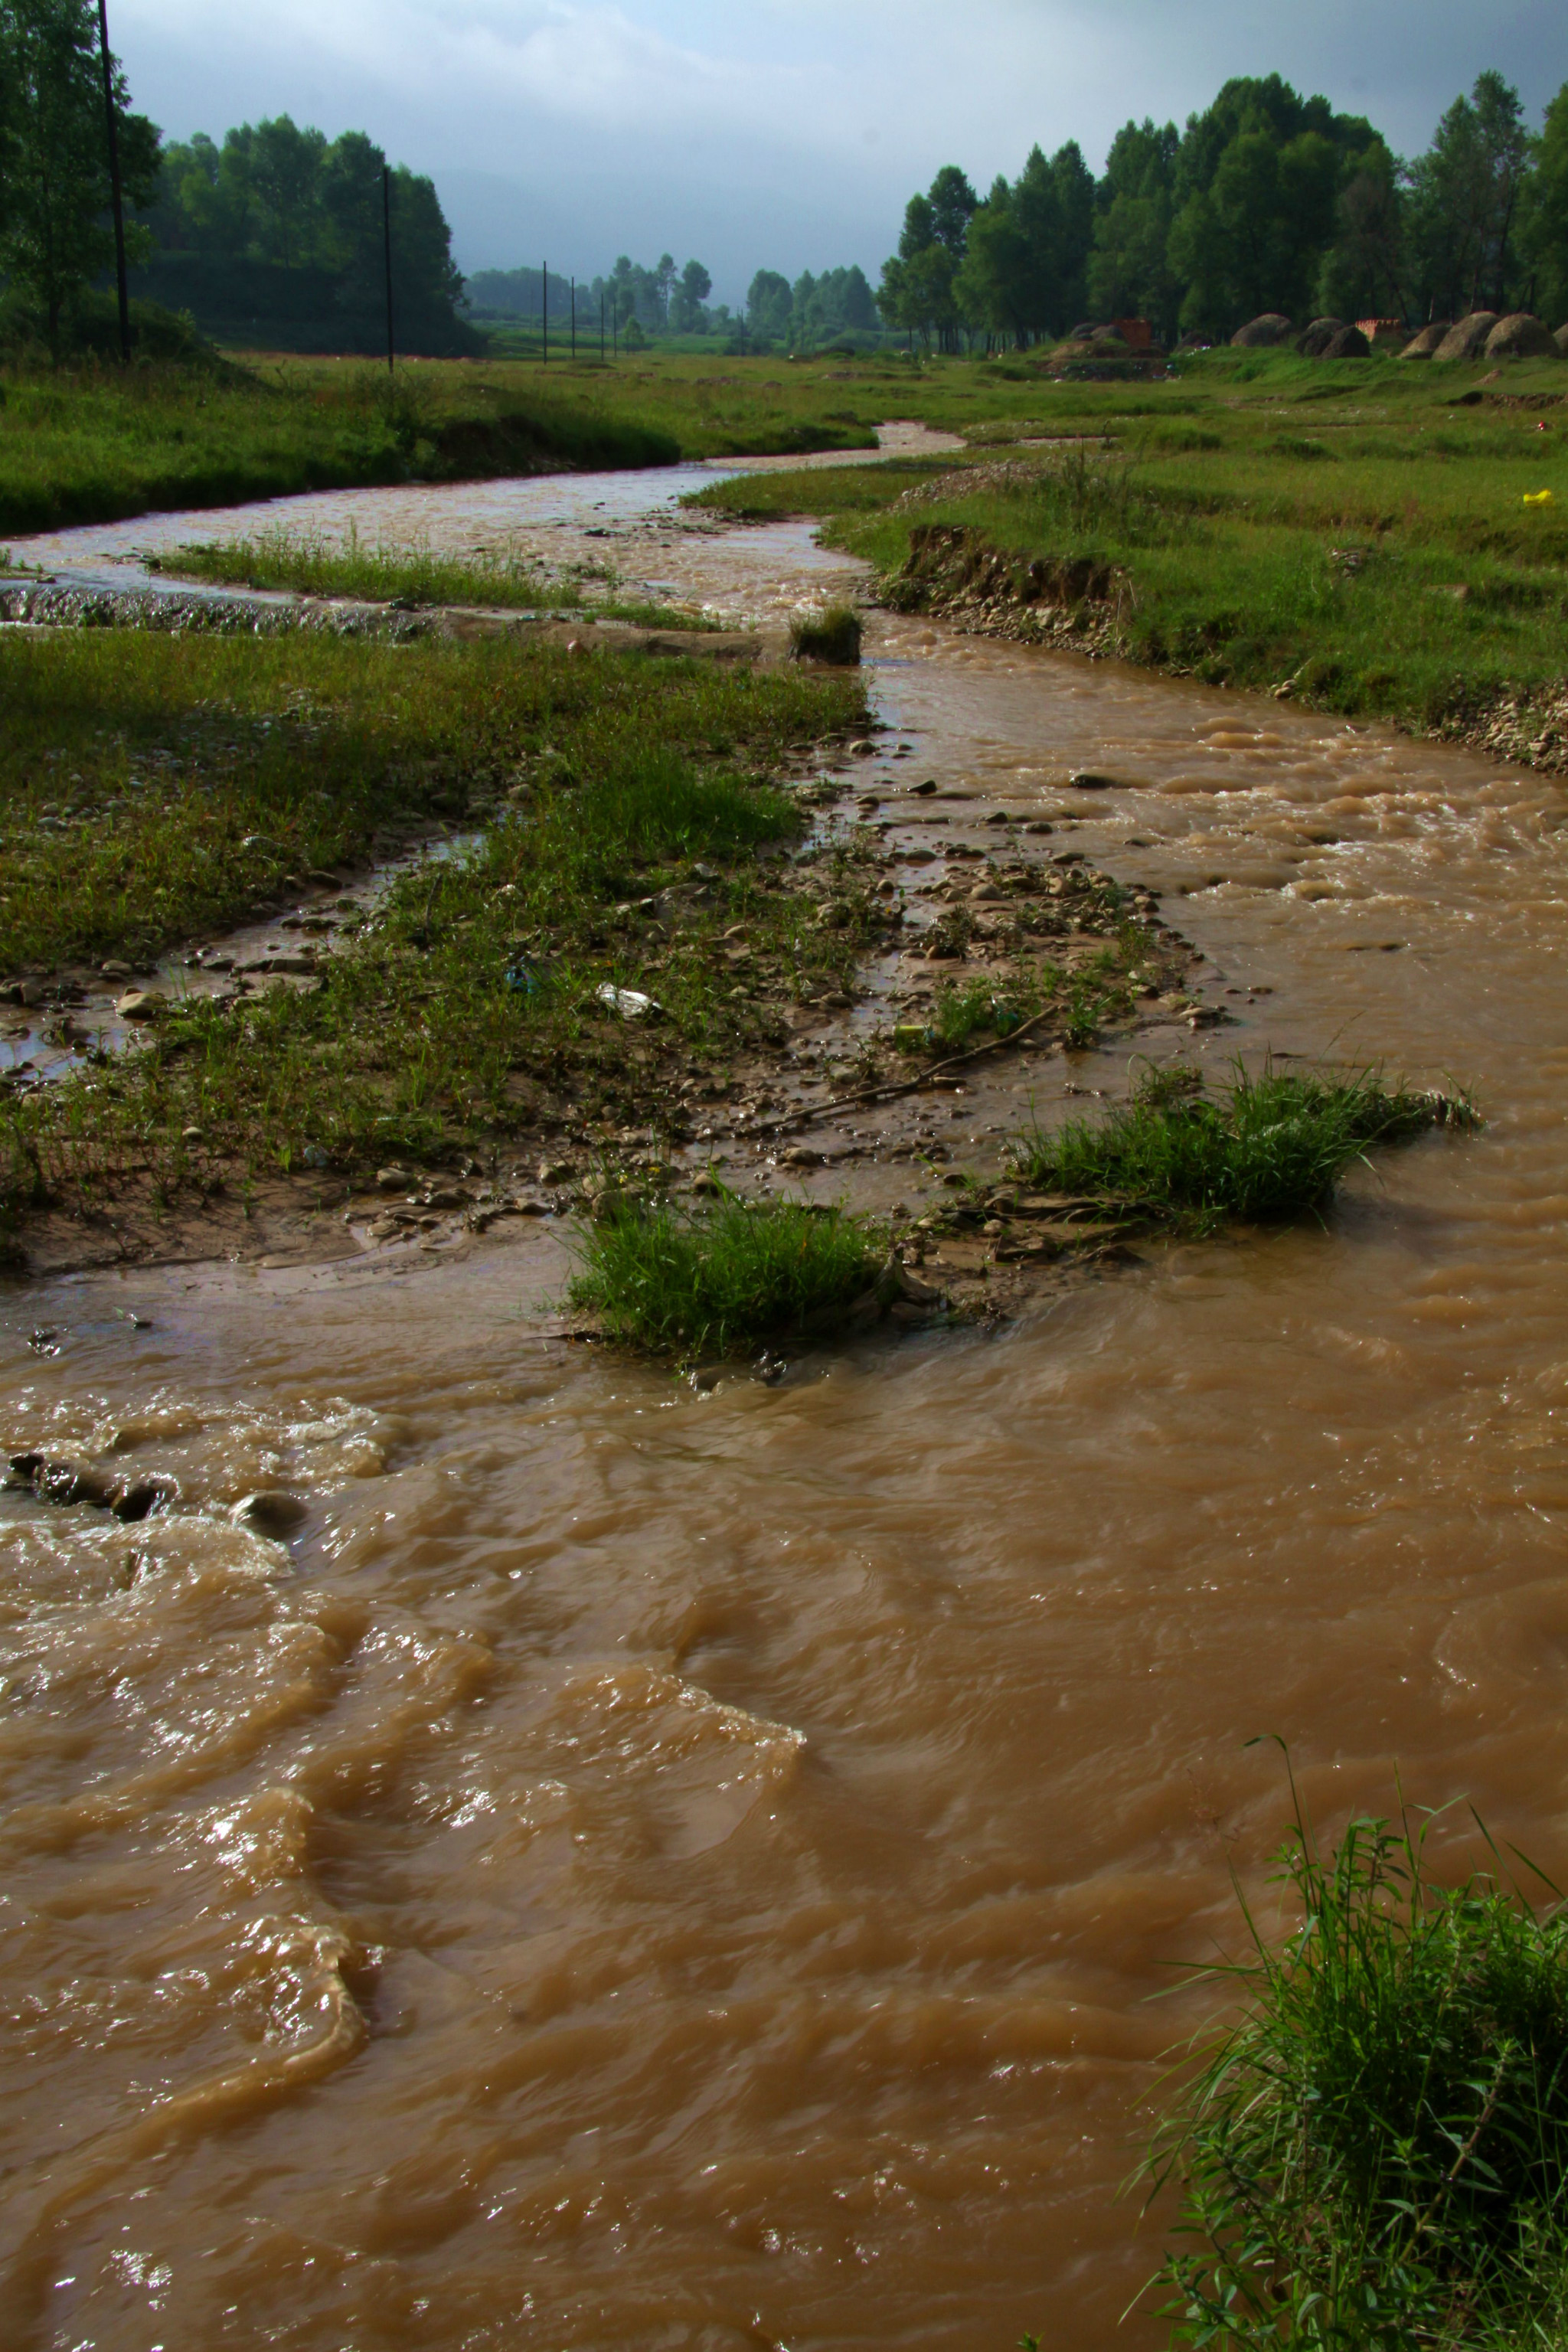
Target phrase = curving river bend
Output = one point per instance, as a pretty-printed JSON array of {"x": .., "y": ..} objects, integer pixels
[{"x": 649, "y": 1869}]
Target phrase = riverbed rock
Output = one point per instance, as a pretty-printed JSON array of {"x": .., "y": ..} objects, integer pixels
[
  {"x": 1560, "y": 340},
  {"x": 63, "y": 1484},
  {"x": 1521, "y": 336},
  {"x": 141, "y": 1004},
  {"x": 1468, "y": 340},
  {"x": 271, "y": 1512},
  {"x": 1349, "y": 343}
]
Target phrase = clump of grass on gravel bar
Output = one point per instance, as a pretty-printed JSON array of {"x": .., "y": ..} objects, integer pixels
[
  {"x": 1272, "y": 1149},
  {"x": 830, "y": 635},
  {"x": 709, "y": 1282},
  {"x": 1376, "y": 2156}
]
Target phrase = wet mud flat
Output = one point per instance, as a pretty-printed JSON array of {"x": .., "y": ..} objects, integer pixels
[{"x": 639, "y": 1862}]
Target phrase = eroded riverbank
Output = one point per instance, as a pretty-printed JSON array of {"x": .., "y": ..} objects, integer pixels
[{"x": 705, "y": 1856}]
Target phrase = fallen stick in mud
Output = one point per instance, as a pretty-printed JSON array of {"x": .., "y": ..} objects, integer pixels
[{"x": 889, "y": 1092}]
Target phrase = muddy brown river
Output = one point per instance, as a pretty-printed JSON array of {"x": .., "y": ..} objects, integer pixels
[{"x": 649, "y": 1869}]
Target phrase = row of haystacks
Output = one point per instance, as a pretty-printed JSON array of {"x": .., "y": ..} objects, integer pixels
[{"x": 1485, "y": 334}]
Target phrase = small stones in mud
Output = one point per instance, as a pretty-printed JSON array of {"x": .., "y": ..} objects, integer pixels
[
  {"x": 114, "y": 970},
  {"x": 141, "y": 1004},
  {"x": 271, "y": 1512},
  {"x": 556, "y": 1171},
  {"x": 393, "y": 1180},
  {"x": 1088, "y": 780},
  {"x": 706, "y": 1185}
]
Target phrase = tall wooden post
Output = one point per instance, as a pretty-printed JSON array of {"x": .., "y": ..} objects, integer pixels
[
  {"x": 116, "y": 197},
  {"x": 544, "y": 315},
  {"x": 574, "y": 322},
  {"x": 386, "y": 238}
]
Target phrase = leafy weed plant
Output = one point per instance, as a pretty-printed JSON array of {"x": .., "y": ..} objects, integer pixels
[{"x": 1375, "y": 2158}]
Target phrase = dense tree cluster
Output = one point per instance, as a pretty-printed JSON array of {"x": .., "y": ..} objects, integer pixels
[
  {"x": 1267, "y": 201},
  {"x": 55, "y": 233},
  {"x": 278, "y": 229},
  {"x": 664, "y": 301},
  {"x": 280, "y": 225}
]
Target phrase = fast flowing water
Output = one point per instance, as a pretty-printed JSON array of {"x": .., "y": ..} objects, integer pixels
[{"x": 651, "y": 1869}]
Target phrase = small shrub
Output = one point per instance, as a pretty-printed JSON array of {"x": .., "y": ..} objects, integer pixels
[
  {"x": 832, "y": 634},
  {"x": 1377, "y": 2155},
  {"x": 709, "y": 1282},
  {"x": 1272, "y": 1149}
]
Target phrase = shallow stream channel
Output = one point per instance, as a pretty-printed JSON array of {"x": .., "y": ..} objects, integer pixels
[{"x": 616, "y": 1863}]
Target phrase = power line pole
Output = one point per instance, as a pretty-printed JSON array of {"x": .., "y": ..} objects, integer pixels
[
  {"x": 115, "y": 196},
  {"x": 544, "y": 274},
  {"x": 574, "y": 322},
  {"x": 601, "y": 330},
  {"x": 386, "y": 230}
]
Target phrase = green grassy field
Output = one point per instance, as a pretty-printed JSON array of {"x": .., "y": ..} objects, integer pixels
[{"x": 1359, "y": 535}]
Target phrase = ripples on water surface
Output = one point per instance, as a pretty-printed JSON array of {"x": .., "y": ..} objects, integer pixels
[{"x": 646, "y": 1869}]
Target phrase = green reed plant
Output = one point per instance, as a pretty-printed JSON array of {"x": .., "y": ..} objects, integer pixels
[
  {"x": 712, "y": 1281},
  {"x": 1271, "y": 1148},
  {"x": 1375, "y": 2156}
]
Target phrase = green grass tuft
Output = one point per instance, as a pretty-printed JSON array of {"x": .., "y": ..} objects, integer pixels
[
  {"x": 721, "y": 1279},
  {"x": 1272, "y": 1149},
  {"x": 1376, "y": 2156},
  {"x": 831, "y": 635}
]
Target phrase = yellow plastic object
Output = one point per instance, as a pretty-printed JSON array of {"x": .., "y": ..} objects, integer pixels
[{"x": 1539, "y": 498}]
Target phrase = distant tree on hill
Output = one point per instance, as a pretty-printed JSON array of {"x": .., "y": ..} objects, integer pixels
[
  {"x": 686, "y": 299},
  {"x": 770, "y": 304},
  {"x": 55, "y": 232}
]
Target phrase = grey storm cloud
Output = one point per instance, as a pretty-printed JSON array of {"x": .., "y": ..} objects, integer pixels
[{"x": 780, "y": 134}]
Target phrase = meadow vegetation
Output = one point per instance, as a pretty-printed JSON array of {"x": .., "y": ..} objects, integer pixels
[{"x": 1368, "y": 537}]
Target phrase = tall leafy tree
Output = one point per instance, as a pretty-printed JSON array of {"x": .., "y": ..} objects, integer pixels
[
  {"x": 1543, "y": 221},
  {"x": 55, "y": 230},
  {"x": 1465, "y": 198}
]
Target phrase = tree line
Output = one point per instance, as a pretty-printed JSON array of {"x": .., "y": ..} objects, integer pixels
[
  {"x": 276, "y": 229},
  {"x": 639, "y": 301},
  {"x": 1267, "y": 201}
]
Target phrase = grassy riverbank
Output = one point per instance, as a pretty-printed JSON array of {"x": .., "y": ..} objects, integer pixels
[
  {"x": 201, "y": 780},
  {"x": 91, "y": 446},
  {"x": 1360, "y": 536}
]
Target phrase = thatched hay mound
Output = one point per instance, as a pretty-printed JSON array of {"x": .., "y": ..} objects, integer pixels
[
  {"x": 1261, "y": 334},
  {"x": 1425, "y": 345},
  {"x": 1319, "y": 336},
  {"x": 1521, "y": 336},
  {"x": 1467, "y": 340}
]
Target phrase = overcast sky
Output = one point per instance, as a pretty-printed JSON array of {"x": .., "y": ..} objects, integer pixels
[{"x": 779, "y": 133}]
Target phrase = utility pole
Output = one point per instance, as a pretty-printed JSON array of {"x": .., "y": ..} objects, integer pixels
[
  {"x": 116, "y": 197},
  {"x": 574, "y": 322},
  {"x": 386, "y": 235},
  {"x": 544, "y": 274},
  {"x": 601, "y": 330}
]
